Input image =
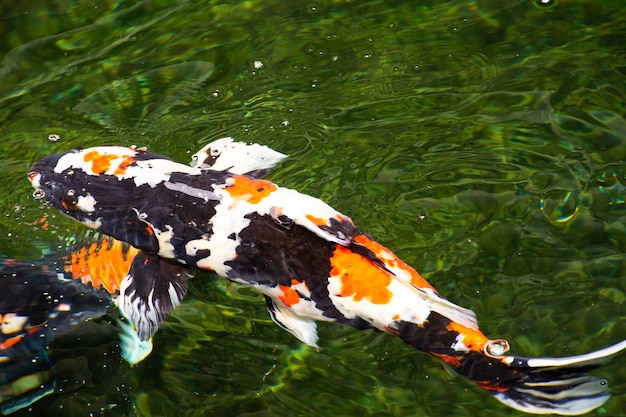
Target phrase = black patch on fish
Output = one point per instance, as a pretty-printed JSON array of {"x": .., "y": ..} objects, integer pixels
[
  {"x": 432, "y": 336},
  {"x": 343, "y": 229},
  {"x": 272, "y": 255},
  {"x": 202, "y": 254},
  {"x": 284, "y": 221}
]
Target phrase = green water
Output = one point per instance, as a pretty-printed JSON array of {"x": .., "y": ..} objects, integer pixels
[{"x": 481, "y": 141}]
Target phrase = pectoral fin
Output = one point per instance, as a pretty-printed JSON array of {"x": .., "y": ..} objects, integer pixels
[
  {"x": 304, "y": 329},
  {"x": 153, "y": 287},
  {"x": 134, "y": 350}
]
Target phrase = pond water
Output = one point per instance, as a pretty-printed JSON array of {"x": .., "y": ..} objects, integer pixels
[{"x": 482, "y": 141}]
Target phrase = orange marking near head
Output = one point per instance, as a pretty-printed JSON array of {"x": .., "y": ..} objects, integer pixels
[
  {"x": 104, "y": 264},
  {"x": 360, "y": 278},
  {"x": 290, "y": 296},
  {"x": 123, "y": 166},
  {"x": 101, "y": 163},
  {"x": 249, "y": 189},
  {"x": 473, "y": 339},
  {"x": 392, "y": 261}
]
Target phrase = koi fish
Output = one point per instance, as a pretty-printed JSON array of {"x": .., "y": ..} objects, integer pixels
[
  {"x": 37, "y": 305},
  {"x": 43, "y": 299},
  {"x": 311, "y": 262}
]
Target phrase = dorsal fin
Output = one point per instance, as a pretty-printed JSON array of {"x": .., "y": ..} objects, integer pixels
[{"x": 237, "y": 158}]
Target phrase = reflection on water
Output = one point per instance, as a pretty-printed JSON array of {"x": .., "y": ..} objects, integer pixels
[{"x": 483, "y": 143}]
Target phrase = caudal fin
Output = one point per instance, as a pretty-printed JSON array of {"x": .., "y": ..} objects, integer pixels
[{"x": 554, "y": 385}]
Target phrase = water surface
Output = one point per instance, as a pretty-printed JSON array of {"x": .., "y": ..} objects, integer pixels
[{"x": 481, "y": 141}]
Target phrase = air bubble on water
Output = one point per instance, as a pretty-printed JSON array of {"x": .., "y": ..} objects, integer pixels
[
  {"x": 54, "y": 137},
  {"x": 497, "y": 347}
]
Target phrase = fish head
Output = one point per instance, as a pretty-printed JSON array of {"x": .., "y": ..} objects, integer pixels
[{"x": 103, "y": 188}]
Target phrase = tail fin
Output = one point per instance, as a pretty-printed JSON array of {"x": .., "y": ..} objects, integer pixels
[
  {"x": 556, "y": 385},
  {"x": 532, "y": 385}
]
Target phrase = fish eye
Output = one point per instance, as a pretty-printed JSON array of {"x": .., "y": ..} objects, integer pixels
[
  {"x": 38, "y": 193},
  {"x": 32, "y": 174},
  {"x": 215, "y": 151}
]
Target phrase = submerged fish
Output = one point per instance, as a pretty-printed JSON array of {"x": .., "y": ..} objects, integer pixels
[
  {"x": 36, "y": 306},
  {"x": 46, "y": 298},
  {"x": 310, "y": 261}
]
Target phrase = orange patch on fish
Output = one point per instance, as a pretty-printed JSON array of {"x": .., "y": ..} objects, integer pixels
[
  {"x": 104, "y": 264},
  {"x": 318, "y": 221},
  {"x": 123, "y": 166},
  {"x": 251, "y": 190},
  {"x": 491, "y": 386},
  {"x": 101, "y": 163},
  {"x": 392, "y": 261},
  {"x": 360, "y": 278},
  {"x": 290, "y": 296},
  {"x": 473, "y": 339}
]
